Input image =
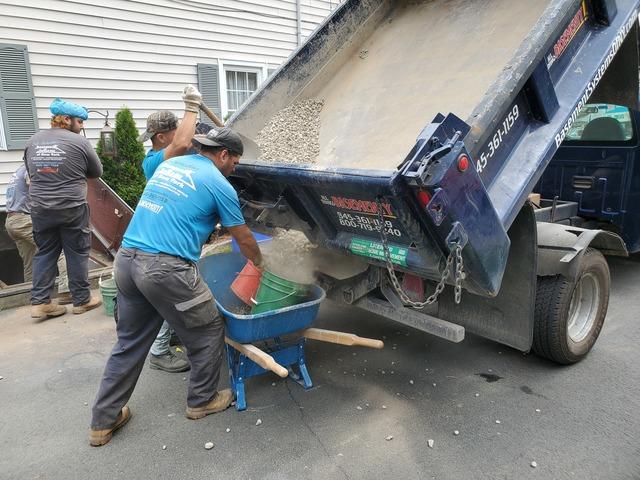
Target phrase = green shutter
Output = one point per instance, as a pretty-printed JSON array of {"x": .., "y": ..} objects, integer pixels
[
  {"x": 16, "y": 96},
  {"x": 209, "y": 85}
]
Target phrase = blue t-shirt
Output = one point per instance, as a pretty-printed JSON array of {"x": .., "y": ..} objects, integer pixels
[
  {"x": 180, "y": 206},
  {"x": 151, "y": 161}
]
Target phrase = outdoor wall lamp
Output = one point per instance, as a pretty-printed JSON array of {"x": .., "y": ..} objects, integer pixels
[{"x": 107, "y": 136}]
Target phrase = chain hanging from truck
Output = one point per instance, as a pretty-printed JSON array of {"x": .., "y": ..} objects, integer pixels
[{"x": 455, "y": 255}]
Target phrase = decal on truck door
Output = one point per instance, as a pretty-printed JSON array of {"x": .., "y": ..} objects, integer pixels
[{"x": 375, "y": 250}]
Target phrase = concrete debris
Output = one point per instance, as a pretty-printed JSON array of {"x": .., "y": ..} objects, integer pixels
[
  {"x": 388, "y": 438},
  {"x": 1, "y": 378},
  {"x": 85, "y": 404},
  {"x": 537, "y": 410},
  {"x": 384, "y": 407},
  {"x": 258, "y": 422},
  {"x": 476, "y": 394},
  {"x": 184, "y": 378},
  {"x": 411, "y": 382},
  {"x": 292, "y": 135},
  {"x": 534, "y": 464},
  {"x": 59, "y": 371},
  {"x": 208, "y": 445},
  {"x": 164, "y": 447},
  {"x": 498, "y": 422},
  {"x": 383, "y": 372},
  {"x": 273, "y": 384},
  {"x": 430, "y": 442},
  {"x": 456, "y": 432},
  {"x": 228, "y": 430},
  {"x": 358, "y": 407},
  {"x": 366, "y": 405},
  {"x": 434, "y": 384},
  {"x": 340, "y": 455}
]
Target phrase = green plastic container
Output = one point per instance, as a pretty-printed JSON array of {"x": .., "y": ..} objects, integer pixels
[
  {"x": 108, "y": 290},
  {"x": 276, "y": 292}
]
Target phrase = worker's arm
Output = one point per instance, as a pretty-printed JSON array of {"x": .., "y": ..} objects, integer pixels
[
  {"x": 247, "y": 243},
  {"x": 184, "y": 133},
  {"x": 94, "y": 165}
]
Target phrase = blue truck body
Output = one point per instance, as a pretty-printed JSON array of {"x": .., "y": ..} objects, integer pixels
[{"x": 464, "y": 182}]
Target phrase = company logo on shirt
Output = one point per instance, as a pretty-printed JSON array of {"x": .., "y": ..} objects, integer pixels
[
  {"x": 154, "y": 207},
  {"x": 176, "y": 176}
]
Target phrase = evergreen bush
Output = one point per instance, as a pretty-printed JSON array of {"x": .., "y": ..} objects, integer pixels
[{"x": 123, "y": 173}]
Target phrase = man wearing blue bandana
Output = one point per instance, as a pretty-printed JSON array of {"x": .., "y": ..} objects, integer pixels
[{"x": 59, "y": 161}]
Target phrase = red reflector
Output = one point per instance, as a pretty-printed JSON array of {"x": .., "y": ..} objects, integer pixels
[
  {"x": 424, "y": 198},
  {"x": 463, "y": 163}
]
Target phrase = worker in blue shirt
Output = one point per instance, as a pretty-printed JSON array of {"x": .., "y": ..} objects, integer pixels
[
  {"x": 157, "y": 278},
  {"x": 169, "y": 139}
]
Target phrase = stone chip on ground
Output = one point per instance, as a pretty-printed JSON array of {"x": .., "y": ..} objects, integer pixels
[{"x": 208, "y": 445}]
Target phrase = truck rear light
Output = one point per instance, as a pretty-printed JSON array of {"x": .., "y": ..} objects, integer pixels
[
  {"x": 463, "y": 163},
  {"x": 424, "y": 198}
]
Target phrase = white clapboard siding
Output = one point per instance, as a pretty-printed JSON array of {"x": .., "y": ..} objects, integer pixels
[{"x": 106, "y": 54}]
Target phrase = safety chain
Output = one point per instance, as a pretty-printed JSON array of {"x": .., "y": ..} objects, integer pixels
[{"x": 454, "y": 254}]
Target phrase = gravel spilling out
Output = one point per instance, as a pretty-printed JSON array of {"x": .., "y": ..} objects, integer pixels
[{"x": 292, "y": 135}]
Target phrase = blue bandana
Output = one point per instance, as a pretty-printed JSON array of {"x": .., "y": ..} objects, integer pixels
[{"x": 61, "y": 107}]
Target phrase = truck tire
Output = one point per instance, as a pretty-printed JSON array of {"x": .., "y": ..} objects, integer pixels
[{"x": 569, "y": 315}]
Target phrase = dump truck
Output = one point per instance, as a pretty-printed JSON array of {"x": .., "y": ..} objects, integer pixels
[{"x": 438, "y": 121}]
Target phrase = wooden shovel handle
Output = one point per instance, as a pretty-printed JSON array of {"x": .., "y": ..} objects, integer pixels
[
  {"x": 209, "y": 113},
  {"x": 263, "y": 359},
  {"x": 341, "y": 338}
]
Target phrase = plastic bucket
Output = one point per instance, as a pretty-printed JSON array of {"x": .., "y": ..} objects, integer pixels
[
  {"x": 276, "y": 292},
  {"x": 108, "y": 291},
  {"x": 247, "y": 283}
]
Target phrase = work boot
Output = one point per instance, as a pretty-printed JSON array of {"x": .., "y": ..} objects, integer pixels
[
  {"x": 169, "y": 362},
  {"x": 220, "y": 402},
  {"x": 93, "y": 302},
  {"x": 47, "y": 310},
  {"x": 98, "y": 438},
  {"x": 65, "y": 298}
]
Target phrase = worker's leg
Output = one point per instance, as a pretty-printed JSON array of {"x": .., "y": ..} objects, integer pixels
[
  {"x": 76, "y": 241},
  {"x": 175, "y": 289},
  {"x": 20, "y": 230},
  {"x": 137, "y": 327},
  {"x": 161, "y": 343},
  {"x": 46, "y": 233}
]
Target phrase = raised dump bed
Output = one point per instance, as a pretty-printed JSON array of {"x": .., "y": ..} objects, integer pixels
[{"x": 438, "y": 118}]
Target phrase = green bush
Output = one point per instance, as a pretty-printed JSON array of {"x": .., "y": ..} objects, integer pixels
[{"x": 123, "y": 173}]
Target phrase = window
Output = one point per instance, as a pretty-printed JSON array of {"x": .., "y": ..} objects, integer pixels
[
  {"x": 240, "y": 85},
  {"x": 602, "y": 123},
  {"x": 18, "y": 120}
]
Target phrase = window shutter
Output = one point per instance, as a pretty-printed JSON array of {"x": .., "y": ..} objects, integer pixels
[
  {"x": 16, "y": 96},
  {"x": 209, "y": 85}
]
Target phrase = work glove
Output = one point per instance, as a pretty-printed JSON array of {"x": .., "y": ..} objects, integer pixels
[{"x": 192, "y": 99}]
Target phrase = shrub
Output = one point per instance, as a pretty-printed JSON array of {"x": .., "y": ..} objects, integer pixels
[{"x": 123, "y": 173}]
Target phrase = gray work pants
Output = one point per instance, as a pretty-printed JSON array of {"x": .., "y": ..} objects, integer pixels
[
  {"x": 153, "y": 287},
  {"x": 54, "y": 231}
]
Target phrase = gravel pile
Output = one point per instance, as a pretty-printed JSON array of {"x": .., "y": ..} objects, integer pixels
[{"x": 292, "y": 134}]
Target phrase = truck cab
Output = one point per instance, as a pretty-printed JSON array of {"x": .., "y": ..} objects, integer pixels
[{"x": 596, "y": 172}]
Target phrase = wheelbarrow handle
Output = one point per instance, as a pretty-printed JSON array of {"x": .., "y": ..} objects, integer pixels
[
  {"x": 263, "y": 359},
  {"x": 341, "y": 338}
]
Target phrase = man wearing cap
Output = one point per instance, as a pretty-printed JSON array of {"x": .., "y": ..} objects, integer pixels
[
  {"x": 168, "y": 140},
  {"x": 20, "y": 229},
  {"x": 59, "y": 161},
  {"x": 157, "y": 277}
]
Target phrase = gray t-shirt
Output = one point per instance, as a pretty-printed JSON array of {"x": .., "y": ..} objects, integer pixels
[
  {"x": 18, "y": 192},
  {"x": 59, "y": 163}
]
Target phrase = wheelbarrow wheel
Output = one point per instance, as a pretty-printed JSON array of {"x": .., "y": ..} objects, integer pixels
[{"x": 569, "y": 315}]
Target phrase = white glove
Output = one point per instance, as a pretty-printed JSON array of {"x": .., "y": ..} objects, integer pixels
[{"x": 192, "y": 99}]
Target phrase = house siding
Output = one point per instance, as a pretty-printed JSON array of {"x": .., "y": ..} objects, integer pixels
[{"x": 140, "y": 53}]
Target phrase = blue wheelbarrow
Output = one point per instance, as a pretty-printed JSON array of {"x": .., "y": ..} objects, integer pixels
[{"x": 281, "y": 356}]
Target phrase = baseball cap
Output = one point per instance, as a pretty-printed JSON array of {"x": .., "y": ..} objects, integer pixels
[
  {"x": 159, "y": 122},
  {"x": 62, "y": 107},
  {"x": 221, "y": 137}
]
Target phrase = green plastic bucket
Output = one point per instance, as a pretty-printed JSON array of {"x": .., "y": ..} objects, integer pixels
[
  {"x": 276, "y": 292},
  {"x": 108, "y": 290}
]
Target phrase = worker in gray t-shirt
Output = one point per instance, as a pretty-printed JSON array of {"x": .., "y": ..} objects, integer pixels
[
  {"x": 59, "y": 161},
  {"x": 20, "y": 229}
]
